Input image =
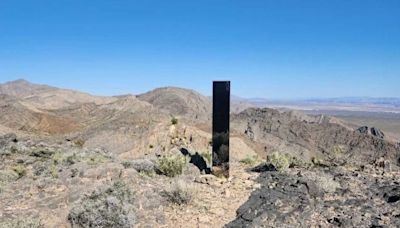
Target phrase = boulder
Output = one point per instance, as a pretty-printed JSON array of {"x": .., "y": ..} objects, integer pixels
[{"x": 371, "y": 131}]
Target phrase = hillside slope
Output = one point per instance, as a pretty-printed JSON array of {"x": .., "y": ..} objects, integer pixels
[{"x": 180, "y": 102}]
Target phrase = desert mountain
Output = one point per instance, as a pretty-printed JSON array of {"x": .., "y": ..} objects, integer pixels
[
  {"x": 23, "y": 116},
  {"x": 68, "y": 144},
  {"x": 179, "y": 102},
  {"x": 311, "y": 137},
  {"x": 129, "y": 124},
  {"x": 47, "y": 97}
]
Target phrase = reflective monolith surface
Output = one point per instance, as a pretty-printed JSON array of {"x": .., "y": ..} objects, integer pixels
[{"x": 221, "y": 110}]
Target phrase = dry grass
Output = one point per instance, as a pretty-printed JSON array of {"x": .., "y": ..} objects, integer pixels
[
  {"x": 171, "y": 165},
  {"x": 179, "y": 193}
]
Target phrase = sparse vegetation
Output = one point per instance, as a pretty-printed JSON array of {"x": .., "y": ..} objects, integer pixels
[
  {"x": 108, "y": 207},
  {"x": 95, "y": 159},
  {"x": 179, "y": 192},
  {"x": 174, "y": 121},
  {"x": 6, "y": 176},
  {"x": 279, "y": 161},
  {"x": 151, "y": 146},
  {"x": 171, "y": 166},
  {"x": 207, "y": 156},
  {"x": 71, "y": 159},
  {"x": 79, "y": 143},
  {"x": 298, "y": 162},
  {"x": 20, "y": 170},
  {"x": 42, "y": 153},
  {"x": 317, "y": 161},
  {"x": 22, "y": 223},
  {"x": 126, "y": 164},
  {"x": 57, "y": 158},
  {"x": 54, "y": 171},
  {"x": 338, "y": 152},
  {"x": 249, "y": 160},
  {"x": 143, "y": 166}
]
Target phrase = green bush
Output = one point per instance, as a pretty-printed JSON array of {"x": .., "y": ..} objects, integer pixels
[
  {"x": 108, "y": 207},
  {"x": 174, "y": 121},
  {"x": 298, "y": 162},
  {"x": 171, "y": 166},
  {"x": 179, "y": 193},
  {"x": 95, "y": 159},
  {"x": 20, "y": 170},
  {"x": 79, "y": 143},
  {"x": 207, "y": 156},
  {"x": 54, "y": 171},
  {"x": 279, "y": 161},
  {"x": 319, "y": 162},
  {"x": 249, "y": 160}
]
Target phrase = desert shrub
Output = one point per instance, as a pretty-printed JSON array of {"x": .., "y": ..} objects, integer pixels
[
  {"x": 207, "y": 156},
  {"x": 6, "y": 177},
  {"x": 53, "y": 171},
  {"x": 22, "y": 223},
  {"x": 60, "y": 158},
  {"x": 316, "y": 161},
  {"x": 337, "y": 150},
  {"x": 174, "y": 121},
  {"x": 79, "y": 143},
  {"x": 249, "y": 160},
  {"x": 57, "y": 158},
  {"x": 74, "y": 172},
  {"x": 179, "y": 192},
  {"x": 95, "y": 159},
  {"x": 171, "y": 166},
  {"x": 143, "y": 166},
  {"x": 298, "y": 162},
  {"x": 126, "y": 164},
  {"x": 42, "y": 153},
  {"x": 279, "y": 160},
  {"x": 107, "y": 207},
  {"x": 71, "y": 159},
  {"x": 20, "y": 170}
]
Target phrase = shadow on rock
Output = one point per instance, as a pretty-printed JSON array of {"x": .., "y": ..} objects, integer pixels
[{"x": 197, "y": 160}]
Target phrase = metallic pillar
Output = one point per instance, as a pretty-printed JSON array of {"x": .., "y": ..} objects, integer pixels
[{"x": 221, "y": 111}]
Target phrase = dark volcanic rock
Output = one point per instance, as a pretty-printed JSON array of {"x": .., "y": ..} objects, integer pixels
[
  {"x": 266, "y": 167},
  {"x": 377, "y": 132},
  {"x": 363, "y": 130},
  {"x": 296, "y": 200},
  {"x": 371, "y": 131}
]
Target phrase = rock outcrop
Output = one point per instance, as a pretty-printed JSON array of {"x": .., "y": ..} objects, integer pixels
[
  {"x": 288, "y": 133},
  {"x": 301, "y": 199},
  {"x": 371, "y": 131}
]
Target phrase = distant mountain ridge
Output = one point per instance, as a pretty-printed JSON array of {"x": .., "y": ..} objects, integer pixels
[{"x": 128, "y": 122}]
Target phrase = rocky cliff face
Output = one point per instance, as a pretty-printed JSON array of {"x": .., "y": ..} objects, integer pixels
[{"x": 312, "y": 136}]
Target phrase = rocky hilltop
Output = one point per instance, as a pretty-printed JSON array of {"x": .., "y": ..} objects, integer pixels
[
  {"x": 180, "y": 102},
  {"x": 71, "y": 159},
  {"x": 312, "y": 137}
]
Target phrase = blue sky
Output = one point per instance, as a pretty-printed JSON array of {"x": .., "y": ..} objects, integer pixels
[{"x": 272, "y": 49}]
